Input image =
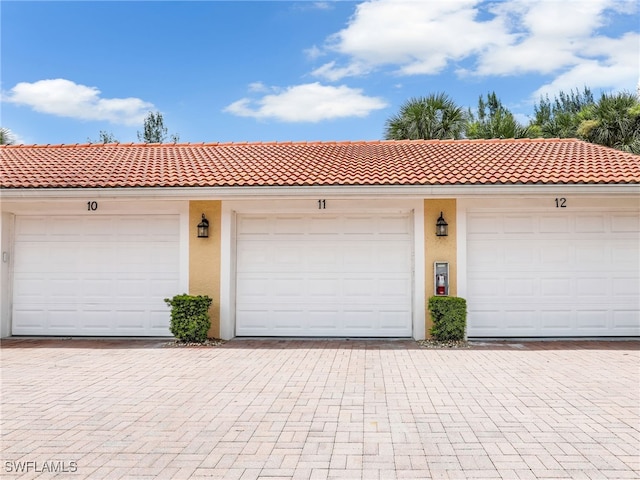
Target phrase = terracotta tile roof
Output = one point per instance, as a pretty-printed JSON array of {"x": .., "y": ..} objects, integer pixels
[{"x": 455, "y": 162}]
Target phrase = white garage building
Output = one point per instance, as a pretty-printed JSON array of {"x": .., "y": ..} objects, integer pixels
[{"x": 321, "y": 239}]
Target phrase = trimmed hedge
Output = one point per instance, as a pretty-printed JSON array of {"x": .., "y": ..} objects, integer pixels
[
  {"x": 190, "y": 320},
  {"x": 449, "y": 316}
]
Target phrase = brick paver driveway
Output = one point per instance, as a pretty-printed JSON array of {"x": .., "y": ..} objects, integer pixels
[{"x": 319, "y": 409}]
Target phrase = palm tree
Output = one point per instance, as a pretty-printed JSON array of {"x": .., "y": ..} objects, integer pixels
[
  {"x": 433, "y": 117},
  {"x": 494, "y": 120},
  {"x": 559, "y": 119},
  {"x": 614, "y": 121},
  {"x": 6, "y": 136}
]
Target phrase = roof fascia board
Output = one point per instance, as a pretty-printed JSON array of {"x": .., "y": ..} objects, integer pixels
[{"x": 251, "y": 192}]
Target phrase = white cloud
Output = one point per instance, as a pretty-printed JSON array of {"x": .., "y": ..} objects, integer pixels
[
  {"x": 310, "y": 102},
  {"x": 313, "y": 52},
  {"x": 258, "y": 87},
  {"x": 322, "y": 5},
  {"x": 618, "y": 71},
  {"x": 414, "y": 37},
  {"x": 548, "y": 37},
  {"x": 333, "y": 73},
  {"x": 65, "y": 98},
  {"x": 553, "y": 37}
]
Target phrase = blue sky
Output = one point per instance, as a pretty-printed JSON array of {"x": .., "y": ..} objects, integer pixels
[{"x": 294, "y": 71}]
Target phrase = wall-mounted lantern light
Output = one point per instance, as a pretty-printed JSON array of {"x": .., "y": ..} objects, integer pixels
[
  {"x": 442, "y": 227},
  {"x": 203, "y": 228}
]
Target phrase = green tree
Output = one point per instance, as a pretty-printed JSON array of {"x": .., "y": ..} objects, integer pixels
[
  {"x": 155, "y": 131},
  {"x": 614, "y": 121},
  {"x": 6, "y": 136},
  {"x": 104, "y": 137},
  {"x": 494, "y": 120},
  {"x": 558, "y": 118},
  {"x": 435, "y": 116}
]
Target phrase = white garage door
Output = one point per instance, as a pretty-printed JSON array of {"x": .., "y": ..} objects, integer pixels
[
  {"x": 553, "y": 274},
  {"x": 324, "y": 275},
  {"x": 100, "y": 275}
]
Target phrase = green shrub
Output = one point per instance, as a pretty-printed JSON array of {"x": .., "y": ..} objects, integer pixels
[
  {"x": 449, "y": 316},
  {"x": 190, "y": 317}
]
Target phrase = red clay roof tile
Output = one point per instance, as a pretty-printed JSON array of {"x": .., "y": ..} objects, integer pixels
[{"x": 449, "y": 162}]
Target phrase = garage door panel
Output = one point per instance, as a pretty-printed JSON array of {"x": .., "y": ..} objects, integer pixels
[
  {"x": 320, "y": 258},
  {"x": 160, "y": 289},
  {"x": 63, "y": 318},
  {"x": 320, "y": 320},
  {"x": 487, "y": 321},
  {"x": 523, "y": 256},
  {"x": 520, "y": 287},
  {"x": 395, "y": 322},
  {"x": 483, "y": 252},
  {"x": 288, "y": 320},
  {"x": 359, "y": 287},
  {"x": 593, "y": 223},
  {"x": 130, "y": 320},
  {"x": 327, "y": 289},
  {"x": 64, "y": 254},
  {"x": 33, "y": 319},
  {"x": 553, "y": 224},
  {"x": 592, "y": 320},
  {"x": 68, "y": 227},
  {"x": 97, "y": 319},
  {"x": 288, "y": 257},
  {"x": 522, "y": 321},
  {"x": 359, "y": 320},
  {"x": 627, "y": 321},
  {"x": 64, "y": 289},
  {"x": 570, "y": 274},
  {"x": 392, "y": 257},
  {"x": 28, "y": 288},
  {"x": 397, "y": 226},
  {"x": 626, "y": 288},
  {"x": 157, "y": 323},
  {"x": 252, "y": 225},
  {"x": 329, "y": 267},
  {"x": 32, "y": 259},
  {"x": 132, "y": 290},
  {"x": 625, "y": 223},
  {"x": 518, "y": 224},
  {"x": 287, "y": 226},
  {"x": 99, "y": 257},
  {"x": 357, "y": 256},
  {"x": 252, "y": 287},
  {"x": 354, "y": 225},
  {"x": 556, "y": 287},
  {"x": 592, "y": 287},
  {"x": 288, "y": 289},
  {"x": 590, "y": 254},
  {"x": 559, "y": 254},
  {"x": 480, "y": 225},
  {"x": 30, "y": 229},
  {"x": 625, "y": 256},
  {"x": 557, "y": 321},
  {"x": 322, "y": 226},
  {"x": 255, "y": 321},
  {"x": 485, "y": 287},
  {"x": 399, "y": 288}
]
